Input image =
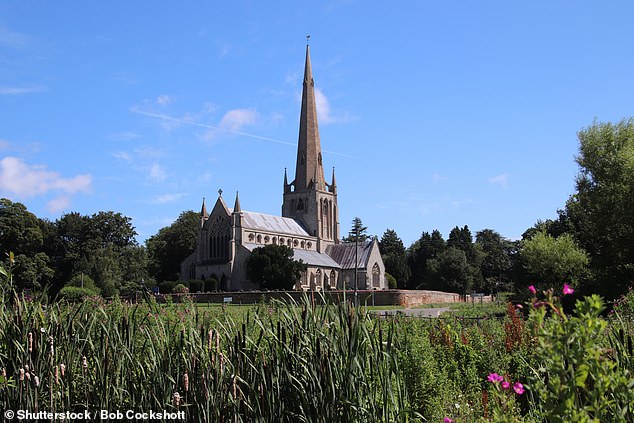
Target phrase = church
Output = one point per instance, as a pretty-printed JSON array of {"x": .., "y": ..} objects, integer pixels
[{"x": 309, "y": 225}]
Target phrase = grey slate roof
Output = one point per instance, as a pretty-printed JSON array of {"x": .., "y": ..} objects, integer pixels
[
  {"x": 344, "y": 254},
  {"x": 312, "y": 258},
  {"x": 270, "y": 223}
]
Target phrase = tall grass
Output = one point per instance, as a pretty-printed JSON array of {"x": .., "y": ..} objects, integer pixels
[{"x": 284, "y": 362}]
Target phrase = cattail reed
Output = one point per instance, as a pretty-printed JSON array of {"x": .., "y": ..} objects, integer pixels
[
  {"x": 21, "y": 377},
  {"x": 177, "y": 399},
  {"x": 56, "y": 375},
  {"x": 186, "y": 382},
  {"x": 62, "y": 369},
  {"x": 84, "y": 362},
  {"x": 30, "y": 339}
]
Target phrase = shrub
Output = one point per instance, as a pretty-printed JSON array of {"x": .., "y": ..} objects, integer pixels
[
  {"x": 391, "y": 281},
  {"x": 84, "y": 281},
  {"x": 211, "y": 284},
  {"x": 166, "y": 287},
  {"x": 196, "y": 285},
  {"x": 76, "y": 293},
  {"x": 180, "y": 289}
]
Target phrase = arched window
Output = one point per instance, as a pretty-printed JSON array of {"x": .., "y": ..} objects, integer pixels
[{"x": 376, "y": 276}]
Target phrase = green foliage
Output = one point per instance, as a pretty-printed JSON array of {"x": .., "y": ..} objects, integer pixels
[
  {"x": 451, "y": 271},
  {"x": 166, "y": 287},
  {"x": 171, "y": 245},
  {"x": 74, "y": 293},
  {"x": 273, "y": 267},
  {"x": 180, "y": 289},
  {"x": 550, "y": 260},
  {"x": 391, "y": 281},
  {"x": 84, "y": 281},
  {"x": 578, "y": 378},
  {"x": 428, "y": 247},
  {"x": 357, "y": 232},
  {"x": 601, "y": 212},
  {"x": 394, "y": 257},
  {"x": 496, "y": 262}
]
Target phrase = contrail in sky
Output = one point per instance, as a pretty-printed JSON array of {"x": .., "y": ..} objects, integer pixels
[{"x": 138, "y": 110}]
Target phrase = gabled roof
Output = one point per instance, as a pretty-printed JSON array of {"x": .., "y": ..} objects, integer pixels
[
  {"x": 274, "y": 224},
  {"x": 312, "y": 258},
  {"x": 345, "y": 254}
]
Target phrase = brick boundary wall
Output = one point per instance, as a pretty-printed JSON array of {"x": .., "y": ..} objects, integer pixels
[{"x": 400, "y": 297}]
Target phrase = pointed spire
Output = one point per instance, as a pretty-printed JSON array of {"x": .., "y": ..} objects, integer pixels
[
  {"x": 309, "y": 147},
  {"x": 333, "y": 185},
  {"x": 236, "y": 206},
  {"x": 203, "y": 210}
]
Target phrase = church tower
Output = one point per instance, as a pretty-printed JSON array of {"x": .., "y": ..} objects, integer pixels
[{"x": 309, "y": 199}]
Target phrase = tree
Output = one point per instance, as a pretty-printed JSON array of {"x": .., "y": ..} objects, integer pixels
[
  {"x": 273, "y": 267},
  {"x": 461, "y": 239},
  {"x": 601, "y": 212},
  {"x": 21, "y": 233},
  {"x": 551, "y": 262},
  {"x": 427, "y": 247},
  {"x": 358, "y": 232},
  {"x": 451, "y": 271},
  {"x": 394, "y": 257},
  {"x": 171, "y": 245},
  {"x": 496, "y": 263}
]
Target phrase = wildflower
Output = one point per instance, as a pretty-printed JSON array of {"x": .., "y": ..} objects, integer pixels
[
  {"x": 50, "y": 342},
  {"x": 177, "y": 399},
  {"x": 186, "y": 382},
  {"x": 567, "y": 289},
  {"x": 447, "y": 420},
  {"x": 518, "y": 388},
  {"x": 84, "y": 362},
  {"x": 36, "y": 380},
  {"x": 519, "y": 306},
  {"x": 506, "y": 385},
  {"x": 495, "y": 378},
  {"x": 532, "y": 289}
]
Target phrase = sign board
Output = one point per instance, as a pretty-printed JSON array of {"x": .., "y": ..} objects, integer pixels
[{"x": 227, "y": 299}]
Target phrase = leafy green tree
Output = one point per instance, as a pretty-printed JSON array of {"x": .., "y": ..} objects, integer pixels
[
  {"x": 461, "y": 239},
  {"x": 21, "y": 232},
  {"x": 450, "y": 271},
  {"x": 427, "y": 247},
  {"x": 601, "y": 212},
  {"x": 496, "y": 263},
  {"x": 551, "y": 262},
  {"x": 357, "y": 232},
  {"x": 171, "y": 245},
  {"x": 273, "y": 267},
  {"x": 394, "y": 257}
]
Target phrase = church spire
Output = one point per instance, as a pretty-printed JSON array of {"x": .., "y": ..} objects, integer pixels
[
  {"x": 309, "y": 164},
  {"x": 203, "y": 210}
]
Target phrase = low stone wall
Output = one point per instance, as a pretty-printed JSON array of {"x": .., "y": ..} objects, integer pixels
[{"x": 406, "y": 298}]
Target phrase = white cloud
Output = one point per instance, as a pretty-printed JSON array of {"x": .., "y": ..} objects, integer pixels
[
  {"x": 4, "y": 144},
  {"x": 167, "y": 198},
  {"x": 324, "y": 113},
  {"x": 164, "y": 99},
  {"x": 20, "y": 90},
  {"x": 158, "y": 172},
  {"x": 123, "y": 156},
  {"x": 501, "y": 180},
  {"x": 59, "y": 204},
  {"x": 236, "y": 119},
  {"x": 26, "y": 180}
]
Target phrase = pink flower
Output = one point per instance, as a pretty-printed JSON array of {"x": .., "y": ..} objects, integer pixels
[
  {"x": 519, "y": 306},
  {"x": 518, "y": 388},
  {"x": 495, "y": 378},
  {"x": 506, "y": 385},
  {"x": 532, "y": 289},
  {"x": 447, "y": 420},
  {"x": 567, "y": 289}
]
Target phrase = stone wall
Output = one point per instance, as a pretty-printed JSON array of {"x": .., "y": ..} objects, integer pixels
[{"x": 406, "y": 298}]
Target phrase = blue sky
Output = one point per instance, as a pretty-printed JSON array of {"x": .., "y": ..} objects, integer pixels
[{"x": 434, "y": 114}]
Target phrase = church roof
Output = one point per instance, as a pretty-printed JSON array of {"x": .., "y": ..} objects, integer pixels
[
  {"x": 310, "y": 257},
  {"x": 270, "y": 223},
  {"x": 344, "y": 254}
]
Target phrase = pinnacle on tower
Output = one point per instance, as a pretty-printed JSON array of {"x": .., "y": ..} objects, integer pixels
[{"x": 236, "y": 206}]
